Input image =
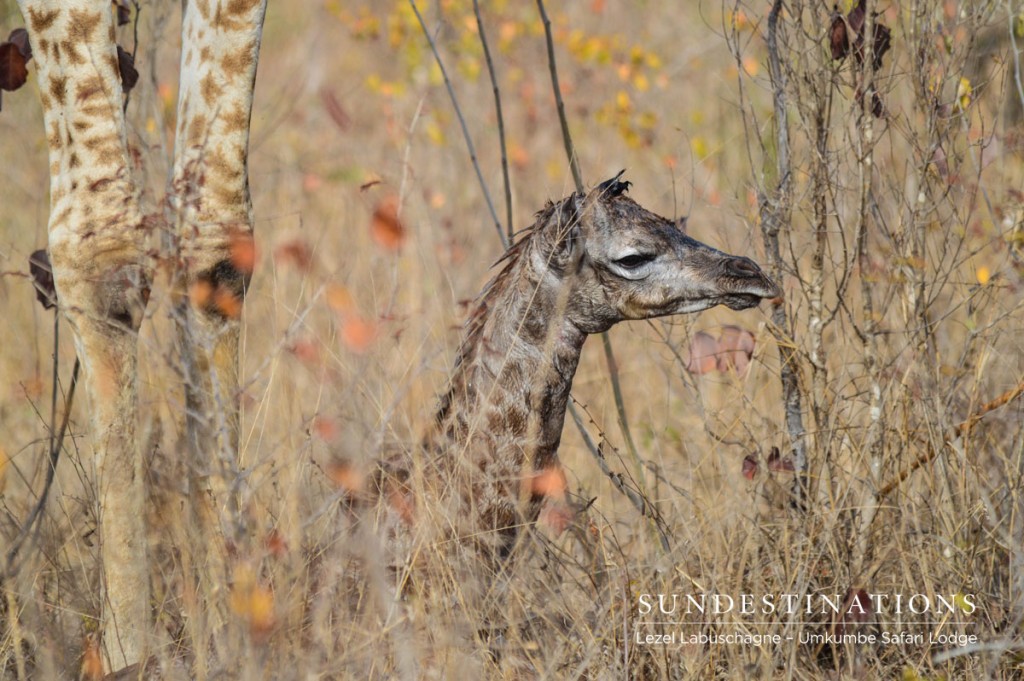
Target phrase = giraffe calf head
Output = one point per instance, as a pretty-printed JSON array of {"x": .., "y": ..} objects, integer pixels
[{"x": 626, "y": 262}]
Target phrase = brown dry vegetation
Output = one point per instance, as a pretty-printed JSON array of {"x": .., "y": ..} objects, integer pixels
[{"x": 372, "y": 233}]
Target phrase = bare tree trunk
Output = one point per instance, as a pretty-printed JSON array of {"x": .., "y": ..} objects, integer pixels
[
  {"x": 775, "y": 216},
  {"x": 96, "y": 246}
]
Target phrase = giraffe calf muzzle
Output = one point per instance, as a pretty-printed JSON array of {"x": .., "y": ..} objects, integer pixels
[{"x": 743, "y": 268}]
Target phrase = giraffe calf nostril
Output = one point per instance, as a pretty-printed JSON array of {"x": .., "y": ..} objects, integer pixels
[{"x": 742, "y": 267}]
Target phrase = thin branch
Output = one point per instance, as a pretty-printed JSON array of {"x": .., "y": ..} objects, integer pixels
[
  {"x": 56, "y": 443},
  {"x": 639, "y": 501},
  {"x": 957, "y": 432},
  {"x": 462, "y": 123},
  {"x": 509, "y": 224},
  {"x": 570, "y": 149}
]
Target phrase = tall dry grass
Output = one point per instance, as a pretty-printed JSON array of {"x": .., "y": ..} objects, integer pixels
[{"x": 351, "y": 328}]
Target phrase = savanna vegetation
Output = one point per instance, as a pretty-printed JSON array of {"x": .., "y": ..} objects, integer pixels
[{"x": 860, "y": 435}]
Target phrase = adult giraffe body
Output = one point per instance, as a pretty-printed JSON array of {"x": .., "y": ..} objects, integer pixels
[{"x": 100, "y": 250}]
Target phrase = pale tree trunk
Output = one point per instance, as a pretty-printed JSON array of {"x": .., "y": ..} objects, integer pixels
[
  {"x": 96, "y": 245},
  {"x": 210, "y": 194}
]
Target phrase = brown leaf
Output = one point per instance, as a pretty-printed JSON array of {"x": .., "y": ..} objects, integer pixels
[
  {"x": 883, "y": 41},
  {"x": 13, "y": 72},
  {"x": 19, "y": 37},
  {"x": 855, "y": 19},
  {"x": 42, "y": 276},
  {"x": 735, "y": 348},
  {"x": 749, "y": 466},
  {"x": 779, "y": 464},
  {"x": 124, "y": 12},
  {"x": 335, "y": 110},
  {"x": 295, "y": 252},
  {"x": 839, "y": 41},
  {"x": 857, "y": 609},
  {"x": 839, "y": 36},
  {"x": 703, "y": 351},
  {"x": 126, "y": 65}
]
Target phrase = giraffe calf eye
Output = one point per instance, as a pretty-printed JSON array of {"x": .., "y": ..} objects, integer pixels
[{"x": 634, "y": 260}]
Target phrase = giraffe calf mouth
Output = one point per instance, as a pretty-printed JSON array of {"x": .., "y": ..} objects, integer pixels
[{"x": 742, "y": 301}]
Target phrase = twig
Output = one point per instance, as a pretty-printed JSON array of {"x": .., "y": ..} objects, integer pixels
[
  {"x": 640, "y": 503},
  {"x": 958, "y": 431},
  {"x": 509, "y": 224},
  {"x": 570, "y": 149},
  {"x": 462, "y": 123},
  {"x": 56, "y": 443},
  {"x": 620, "y": 402}
]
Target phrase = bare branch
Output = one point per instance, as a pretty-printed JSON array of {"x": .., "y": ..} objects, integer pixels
[
  {"x": 509, "y": 224},
  {"x": 570, "y": 148},
  {"x": 462, "y": 123}
]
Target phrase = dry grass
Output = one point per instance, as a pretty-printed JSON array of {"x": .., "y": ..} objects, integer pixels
[{"x": 348, "y": 339}]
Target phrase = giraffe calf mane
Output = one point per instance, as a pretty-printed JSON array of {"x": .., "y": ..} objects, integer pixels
[{"x": 509, "y": 262}]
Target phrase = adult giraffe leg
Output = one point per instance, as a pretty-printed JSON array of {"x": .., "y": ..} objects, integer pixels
[
  {"x": 220, "y": 49},
  {"x": 97, "y": 250}
]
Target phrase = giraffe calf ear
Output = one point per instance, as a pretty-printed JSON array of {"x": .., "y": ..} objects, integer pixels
[
  {"x": 560, "y": 240},
  {"x": 613, "y": 187}
]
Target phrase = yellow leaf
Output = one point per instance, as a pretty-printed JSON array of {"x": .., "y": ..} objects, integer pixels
[
  {"x": 435, "y": 133},
  {"x": 699, "y": 147},
  {"x": 961, "y": 602},
  {"x": 910, "y": 674},
  {"x": 983, "y": 275},
  {"x": 963, "y": 93},
  {"x": 622, "y": 100}
]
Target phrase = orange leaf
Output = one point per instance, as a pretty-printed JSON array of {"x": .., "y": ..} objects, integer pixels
[
  {"x": 243, "y": 252},
  {"x": 549, "y": 482},
  {"x": 358, "y": 333},
  {"x": 338, "y": 298},
  {"x": 227, "y": 303},
  {"x": 92, "y": 660},
  {"x": 326, "y": 428},
  {"x": 199, "y": 294},
  {"x": 386, "y": 228},
  {"x": 346, "y": 476}
]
